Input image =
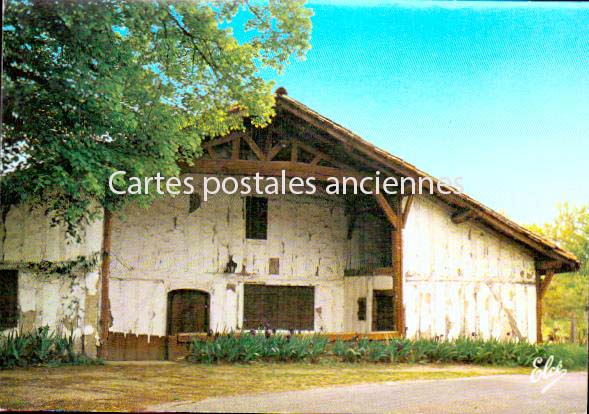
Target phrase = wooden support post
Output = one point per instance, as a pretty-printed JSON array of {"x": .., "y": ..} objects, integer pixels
[
  {"x": 104, "y": 277},
  {"x": 395, "y": 219},
  {"x": 538, "y": 309},
  {"x": 212, "y": 153},
  {"x": 397, "y": 238},
  {"x": 397, "y": 247},
  {"x": 546, "y": 282},
  {"x": 235, "y": 147},
  {"x": 294, "y": 151},
  {"x": 541, "y": 288}
]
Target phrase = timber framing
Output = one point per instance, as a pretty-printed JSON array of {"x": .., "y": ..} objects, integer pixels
[
  {"x": 323, "y": 129},
  {"x": 302, "y": 143},
  {"x": 463, "y": 215},
  {"x": 541, "y": 288},
  {"x": 396, "y": 219},
  {"x": 321, "y": 166}
]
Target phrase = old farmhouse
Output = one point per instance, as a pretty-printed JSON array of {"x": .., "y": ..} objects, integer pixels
[{"x": 440, "y": 265}]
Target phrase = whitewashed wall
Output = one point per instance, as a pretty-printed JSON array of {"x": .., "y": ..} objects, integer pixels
[
  {"x": 61, "y": 302},
  {"x": 461, "y": 279},
  {"x": 458, "y": 279},
  {"x": 165, "y": 248},
  {"x": 27, "y": 236},
  {"x": 357, "y": 287}
]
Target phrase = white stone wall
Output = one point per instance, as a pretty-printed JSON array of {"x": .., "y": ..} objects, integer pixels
[
  {"x": 458, "y": 279},
  {"x": 357, "y": 287},
  {"x": 66, "y": 303},
  {"x": 27, "y": 236},
  {"x": 57, "y": 302},
  {"x": 165, "y": 248},
  {"x": 461, "y": 279}
]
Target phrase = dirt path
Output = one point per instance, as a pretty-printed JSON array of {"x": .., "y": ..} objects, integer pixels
[{"x": 491, "y": 394}]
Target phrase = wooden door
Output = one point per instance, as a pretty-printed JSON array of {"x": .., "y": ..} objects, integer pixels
[
  {"x": 188, "y": 311},
  {"x": 383, "y": 311}
]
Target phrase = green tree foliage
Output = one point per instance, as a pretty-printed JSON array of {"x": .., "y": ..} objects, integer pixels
[
  {"x": 566, "y": 300},
  {"x": 92, "y": 87}
]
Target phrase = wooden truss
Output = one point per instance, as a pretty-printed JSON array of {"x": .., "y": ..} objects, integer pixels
[{"x": 239, "y": 153}]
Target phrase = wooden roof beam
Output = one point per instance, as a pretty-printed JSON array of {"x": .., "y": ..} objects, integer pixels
[
  {"x": 223, "y": 140},
  {"x": 545, "y": 283},
  {"x": 406, "y": 209},
  {"x": 387, "y": 210},
  {"x": 463, "y": 215},
  {"x": 254, "y": 147},
  {"x": 267, "y": 168}
]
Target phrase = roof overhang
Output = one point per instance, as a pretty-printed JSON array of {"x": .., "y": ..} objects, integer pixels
[{"x": 547, "y": 254}]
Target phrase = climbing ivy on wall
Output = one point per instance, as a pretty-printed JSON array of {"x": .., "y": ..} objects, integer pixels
[{"x": 69, "y": 268}]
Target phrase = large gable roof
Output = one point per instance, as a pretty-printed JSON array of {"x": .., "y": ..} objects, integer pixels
[{"x": 547, "y": 253}]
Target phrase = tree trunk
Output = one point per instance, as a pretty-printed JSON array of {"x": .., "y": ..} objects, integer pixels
[{"x": 573, "y": 334}]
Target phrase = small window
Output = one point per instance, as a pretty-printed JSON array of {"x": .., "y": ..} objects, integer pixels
[
  {"x": 256, "y": 218},
  {"x": 8, "y": 299},
  {"x": 274, "y": 266},
  {"x": 362, "y": 309}
]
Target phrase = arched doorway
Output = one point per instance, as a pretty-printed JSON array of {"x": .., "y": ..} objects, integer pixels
[{"x": 188, "y": 311}]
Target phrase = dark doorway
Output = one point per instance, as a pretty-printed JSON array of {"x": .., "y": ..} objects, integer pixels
[
  {"x": 8, "y": 299},
  {"x": 188, "y": 311},
  {"x": 279, "y": 307},
  {"x": 383, "y": 311}
]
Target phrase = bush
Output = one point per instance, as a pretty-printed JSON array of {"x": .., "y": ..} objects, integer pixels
[
  {"x": 40, "y": 347},
  {"x": 282, "y": 348},
  {"x": 249, "y": 347}
]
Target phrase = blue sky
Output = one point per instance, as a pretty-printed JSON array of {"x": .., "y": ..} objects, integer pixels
[{"x": 496, "y": 93}]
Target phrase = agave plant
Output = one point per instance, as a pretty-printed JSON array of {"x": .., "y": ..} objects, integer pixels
[{"x": 41, "y": 346}]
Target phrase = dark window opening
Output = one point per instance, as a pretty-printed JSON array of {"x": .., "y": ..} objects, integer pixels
[
  {"x": 279, "y": 307},
  {"x": 188, "y": 311},
  {"x": 383, "y": 311},
  {"x": 8, "y": 299},
  {"x": 274, "y": 266},
  {"x": 194, "y": 202},
  {"x": 256, "y": 218},
  {"x": 362, "y": 309}
]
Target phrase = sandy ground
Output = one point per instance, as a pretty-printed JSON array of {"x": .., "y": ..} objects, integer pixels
[
  {"x": 489, "y": 394},
  {"x": 132, "y": 386}
]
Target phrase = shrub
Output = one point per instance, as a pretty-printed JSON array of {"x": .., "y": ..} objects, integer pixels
[
  {"x": 281, "y": 348},
  {"x": 40, "y": 347},
  {"x": 248, "y": 347}
]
